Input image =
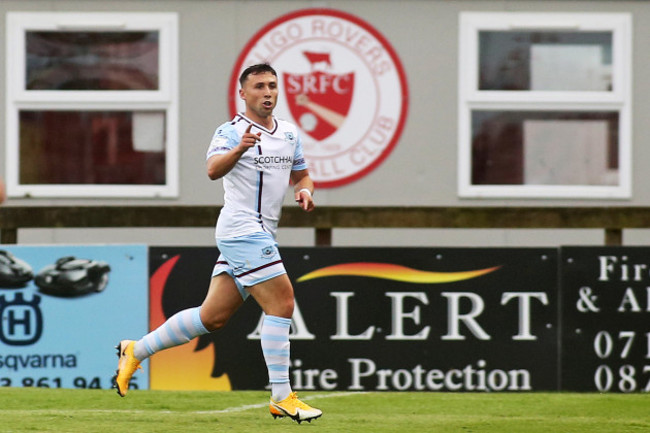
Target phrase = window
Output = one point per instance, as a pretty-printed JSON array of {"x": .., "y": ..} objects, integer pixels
[
  {"x": 544, "y": 105},
  {"x": 92, "y": 105}
]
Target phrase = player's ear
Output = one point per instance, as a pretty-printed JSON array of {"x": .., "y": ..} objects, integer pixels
[{"x": 241, "y": 94}]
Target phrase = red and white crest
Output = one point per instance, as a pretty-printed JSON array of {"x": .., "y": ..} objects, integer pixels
[
  {"x": 340, "y": 82},
  {"x": 319, "y": 101}
]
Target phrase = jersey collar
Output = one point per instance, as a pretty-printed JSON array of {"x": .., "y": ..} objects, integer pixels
[{"x": 257, "y": 125}]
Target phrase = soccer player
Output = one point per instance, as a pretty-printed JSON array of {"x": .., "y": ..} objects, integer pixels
[{"x": 256, "y": 154}]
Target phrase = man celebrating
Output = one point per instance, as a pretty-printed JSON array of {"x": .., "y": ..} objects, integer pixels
[{"x": 256, "y": 154}]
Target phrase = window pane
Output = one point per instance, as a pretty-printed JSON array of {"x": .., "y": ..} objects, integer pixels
[
  {"x": 544, "y": 148},
  {"x": 92, "y": 60},
  {"x": 92, "y": 147},
  {"x": 570, "y": 61}
]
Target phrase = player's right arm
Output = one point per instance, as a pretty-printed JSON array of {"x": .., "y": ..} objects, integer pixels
[{"x": 218, "y": 165}]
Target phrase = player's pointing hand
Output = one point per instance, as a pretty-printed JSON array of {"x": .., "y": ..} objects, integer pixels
[{"x": 249, "y": 139}]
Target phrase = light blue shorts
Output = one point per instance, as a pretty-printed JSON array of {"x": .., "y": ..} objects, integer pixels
[{"x": 249, "y": 259}]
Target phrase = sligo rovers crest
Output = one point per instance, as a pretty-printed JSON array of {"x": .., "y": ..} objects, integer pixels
[
  {"x": 340, "y": 81},
  {"x": 319, "y": 100}
]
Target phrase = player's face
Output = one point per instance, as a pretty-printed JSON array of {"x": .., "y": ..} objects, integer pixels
[{"x": 260, "y": 92}]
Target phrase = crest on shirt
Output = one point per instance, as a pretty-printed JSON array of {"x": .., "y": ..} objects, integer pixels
[
  {"x": 341, "y": 83},
  {"x": 290, "y": 137}
]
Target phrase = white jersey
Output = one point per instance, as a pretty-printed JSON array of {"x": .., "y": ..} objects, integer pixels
[{"x": 254, "y": 189}]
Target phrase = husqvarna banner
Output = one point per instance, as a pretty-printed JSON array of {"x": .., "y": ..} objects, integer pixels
[
  {"x": 64, "y": 308},
  {"x": 417, "y": 319}
]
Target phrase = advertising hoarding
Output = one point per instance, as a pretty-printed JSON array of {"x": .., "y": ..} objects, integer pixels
[
  {"x": 387, "y": 319},
  {"x": 605, "y": 333},
  {"x": 64, "y": 308},
  {"x": 418, "y": 319}
]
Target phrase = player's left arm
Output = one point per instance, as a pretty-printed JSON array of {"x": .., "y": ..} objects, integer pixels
[{"x": 303, "y": 189}]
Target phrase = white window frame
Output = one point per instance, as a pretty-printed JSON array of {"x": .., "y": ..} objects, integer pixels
[
  {"x": 165, "y": 98},
  {"x": 471, "y": 98}
]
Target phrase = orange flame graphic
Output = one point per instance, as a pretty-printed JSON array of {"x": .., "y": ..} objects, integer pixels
[
  {"x": 390, "y": 271},
  {"x": 196, "y": 371}
]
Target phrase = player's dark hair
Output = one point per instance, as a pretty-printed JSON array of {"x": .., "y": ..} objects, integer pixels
[{"x": 254, "y": 70}]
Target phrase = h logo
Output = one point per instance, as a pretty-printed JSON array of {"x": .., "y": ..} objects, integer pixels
[{"x": 21, "y": 321}]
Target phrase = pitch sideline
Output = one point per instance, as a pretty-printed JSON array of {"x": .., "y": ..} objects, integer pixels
[
  {"x": 261, "y": 405},
  {"x": 197, "y": 412}
]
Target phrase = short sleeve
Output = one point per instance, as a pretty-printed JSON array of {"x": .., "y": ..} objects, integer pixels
[
  {"x": 299, "y": 162},
  {"x": 224, "y": 139}
]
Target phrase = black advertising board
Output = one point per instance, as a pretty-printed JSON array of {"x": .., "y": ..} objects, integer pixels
[
  {"x": 605, "y": 306},
  {"x": 418, "y": 319}
]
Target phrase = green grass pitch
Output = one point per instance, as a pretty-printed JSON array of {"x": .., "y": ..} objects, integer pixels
[{"x": 67, "y": 410}]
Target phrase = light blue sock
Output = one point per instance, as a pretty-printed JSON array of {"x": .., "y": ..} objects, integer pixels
[
  {"x": 276, "y": 350},
  {"x": 178, "y": 329}
]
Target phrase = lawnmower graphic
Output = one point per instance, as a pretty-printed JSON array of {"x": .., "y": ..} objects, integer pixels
[
  {"x": 71, "y": 276},
  {"x": 14, "y": 272}
]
